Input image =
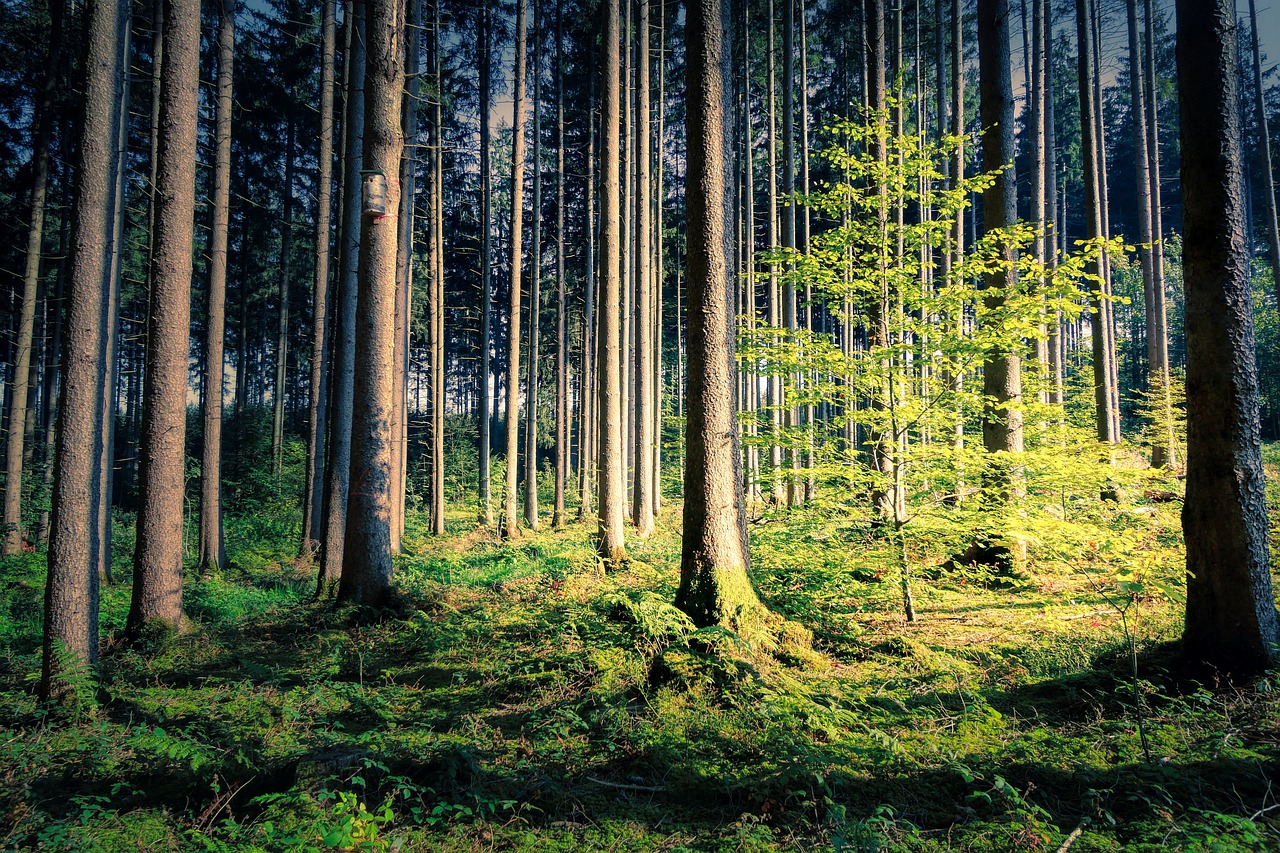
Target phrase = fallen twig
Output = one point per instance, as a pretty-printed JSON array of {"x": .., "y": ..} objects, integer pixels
[
  {"x": 652, "y": 789},
  {"x": 1075, "y": 834}
]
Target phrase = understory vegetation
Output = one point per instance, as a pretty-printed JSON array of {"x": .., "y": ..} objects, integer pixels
[{"x": 519, "y": 698}]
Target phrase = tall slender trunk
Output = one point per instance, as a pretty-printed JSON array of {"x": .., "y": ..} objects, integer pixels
[
  {"x": 776, "y": 389},
  {"x": 484, "y": 416},
  {"x": 1053, "y": 224},
  {"x": 789, "y": 317},
  {"x": 317, "y": 395},
  {"x": 535, "y": 289},
  {"x": 366, "y": 561},
  {"x": 282, "y": 330},
  {"x": 404, "y": 268},
  {"x": 71, "y": 590},
  {"x": 610, "y": 473},
  {"x": 1103, "y": 393},
  {"x": 338, "y": 463},
  {"x": 642, "y": 495},
  {"x": 658, "y": 277},
  {"x": 1142, "y": 176},
  {"x": 1157, "y": 321},
  {"x": 562, "y": 338},
  {"x": 1036, "y": 100},
  {"x": 877, "y": 308},
  {"x": 157, "y": 563},
  {"x": 212, "y": 552},
  {"x": 437, "y": 284},
  {"x": 587, "y": 420},
  {"x": 1264, "y": 151},
  {"x": 510, "y": 519}
]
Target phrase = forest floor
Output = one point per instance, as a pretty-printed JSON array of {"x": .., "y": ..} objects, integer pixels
[{"x": 522, "y": 700}]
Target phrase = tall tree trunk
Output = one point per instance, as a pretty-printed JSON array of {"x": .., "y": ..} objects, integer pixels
[
  {"x": 587, "y": 420},
  {"x": 1036, "y": 99},
  {"x": 1231, "y": 620},
  {"x": 404, "y": 269},
  {"x": 110, "y": 329},
  {"x": 609, "y": 471},
  {"x": 877, "y": 309},
  {"x": 317, "y": 399},
  {"x": 1157, "y": 378},
  {"x": 366, "y": 561},
  {"x": 20, "y": 411},
  {"x": 1103, "y": 392},
  {"x": 535, "y": 289},
  {"x": 282, "y": 329},
  {"x": 338, "y": 463},
  {"x": 562, "y": 338},
  {"x": 71, "y": 587},
  {"x": 510, "y": 519},
  {"x": 1264, "y": 152},
  {"x": 437, "y": 284},
  {"x": 1053, "y": 224},
  {"x": 157, "y": 564},
  {"x": 486, "y": 268},
  {"x": 658, "y": 275},
  {"x": 776, "y": 390},
  {"x": 714, "y": 586},
  {"x": 789, "y": 317},
  {"x": 1157, "y": 322},
  {"x": 1104, "y": 195},
  {"x": 642, "y": 495},
  {"x": 212, "y": 552},
  {"x": 1002, "y": 365}
]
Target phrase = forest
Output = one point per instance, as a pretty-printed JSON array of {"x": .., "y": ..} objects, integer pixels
[{"x": 640, "y": 425}]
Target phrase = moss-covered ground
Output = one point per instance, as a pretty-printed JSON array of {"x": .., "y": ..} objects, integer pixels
[{"x": 520, "y": 699}]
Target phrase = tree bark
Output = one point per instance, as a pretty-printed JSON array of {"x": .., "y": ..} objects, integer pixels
[
  {"x": 510, "y": 519},
  {"x": 1264, "y": 152},
  {"x": 212, "y": 552},
  {"x": 71, "y": 590},
  {"x": 562, "y": 337},
  {"x": 157, "y": 564},
  {"x": 486, "y": 269},
  {"x": 317, "y": 399},
  {"x": 535, "y": 290},
  {"x": 282, "y": 317},
  {"x": 338, "y": 463},
  {"x": 714, "y": 586},
  {"x": 642, "y": 494},
  {"x": 587, "y": 420},
  {"x": 1157, "y": 322},
  {"x": 1231, "y": 620},
  {"x": 1103, "y": 391},
  {"x": 404, "y": 268},
  {"x": 437, "y": 285},
  {"x": 610, "y": 474},
  {"x": 366, "y": 560},
  {"x": 1002, "y": 366}
]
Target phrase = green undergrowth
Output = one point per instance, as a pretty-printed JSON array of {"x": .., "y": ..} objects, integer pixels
[{"x": 520, "y": 698}]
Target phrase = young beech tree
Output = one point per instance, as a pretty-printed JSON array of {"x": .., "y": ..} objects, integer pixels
[
  {"x": 157, "y": 561},
  {"x": 714, "y": 587},
  {"x": 1231, "y": 619},
  {"x": 366, "y": 558}
]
